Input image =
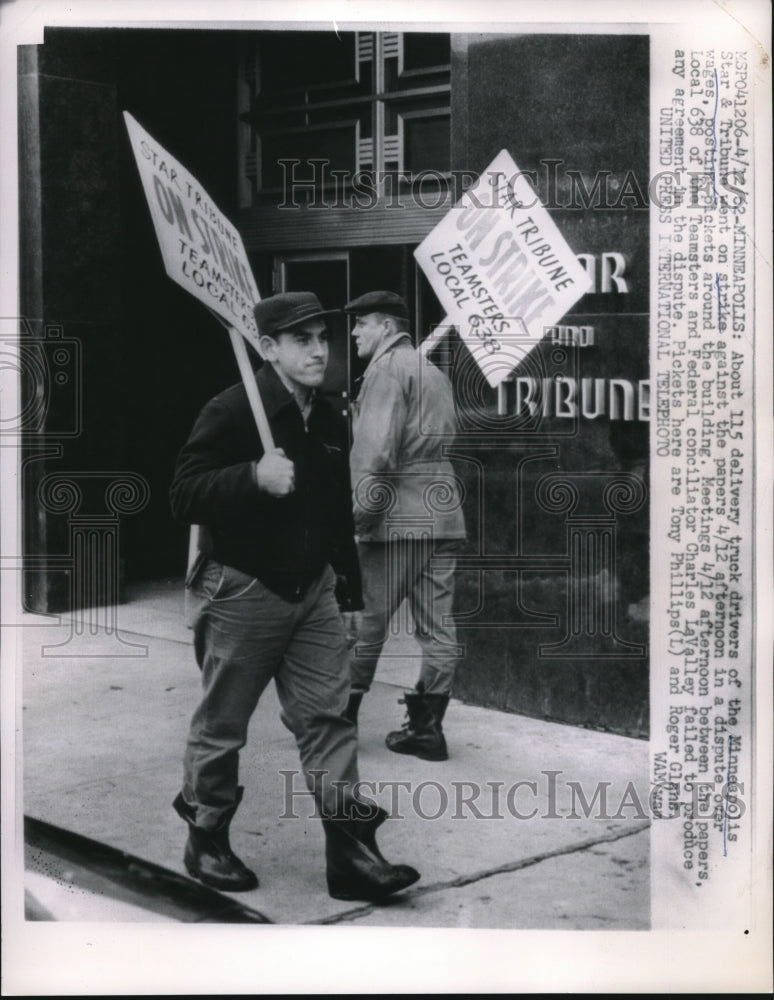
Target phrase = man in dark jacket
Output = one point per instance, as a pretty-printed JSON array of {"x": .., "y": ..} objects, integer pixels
[{"x": 277, "y": 598}]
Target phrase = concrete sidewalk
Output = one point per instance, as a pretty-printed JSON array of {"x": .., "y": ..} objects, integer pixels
[{"x": 105, "y": 717}]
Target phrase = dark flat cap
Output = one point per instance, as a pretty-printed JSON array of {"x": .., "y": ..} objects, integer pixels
[
  {"x": 382, "y": 302},
  {"x": 282, "y": 312}
]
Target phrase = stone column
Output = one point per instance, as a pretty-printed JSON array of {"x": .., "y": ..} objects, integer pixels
[{"x": 93, "y": 503}]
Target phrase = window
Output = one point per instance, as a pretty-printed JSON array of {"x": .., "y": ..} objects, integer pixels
[
  {"x": 375, "y": 102},
  {"x": 293, "y": 62},
  {"x": 423, "y": 51}
]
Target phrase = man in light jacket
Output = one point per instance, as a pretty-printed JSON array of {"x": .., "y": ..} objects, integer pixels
[{"x": 408, "y": 514}]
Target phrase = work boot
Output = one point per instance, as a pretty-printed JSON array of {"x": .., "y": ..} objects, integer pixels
[
  {"x": 421, "y": 734},
  {"x": 353, "y": 706},
  {"x": 355, "y": 867},
  {"x": 208, "y": 855}
]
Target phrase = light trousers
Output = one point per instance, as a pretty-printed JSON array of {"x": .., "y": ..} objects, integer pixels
[
  {"x": 245, "y": 635},
  {"x": 420, "y": 571}
]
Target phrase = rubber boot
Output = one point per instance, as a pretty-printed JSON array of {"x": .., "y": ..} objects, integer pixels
[
  {"x": 208, "y": 855},
  {"x": 353, "y": 706},
  {"x": 355, "y": 867},
  {"x": 422, "y": 734},
  {"x": 285, "y": 720}
]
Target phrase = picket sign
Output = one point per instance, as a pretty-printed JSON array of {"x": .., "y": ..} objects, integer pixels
[
  {"x": 501, "y": 269},
  {"x": 203, "y": 252},
  {"x": 201, "y": 249}
]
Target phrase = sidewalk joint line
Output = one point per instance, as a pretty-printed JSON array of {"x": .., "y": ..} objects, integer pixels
[
  {"x": 120, "y": 630},
  {"x": 464, "y": 880}
]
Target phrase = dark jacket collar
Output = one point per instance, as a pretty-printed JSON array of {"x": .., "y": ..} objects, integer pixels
[{"x": 274, "y": 393}]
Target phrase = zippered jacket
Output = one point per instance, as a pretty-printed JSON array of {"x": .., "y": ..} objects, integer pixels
[{"x": 286, "y": 542}]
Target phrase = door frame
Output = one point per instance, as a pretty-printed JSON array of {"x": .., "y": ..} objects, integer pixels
[
  {"x": 340, "y": 399},
  {"x": 281, "y": 261}
]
